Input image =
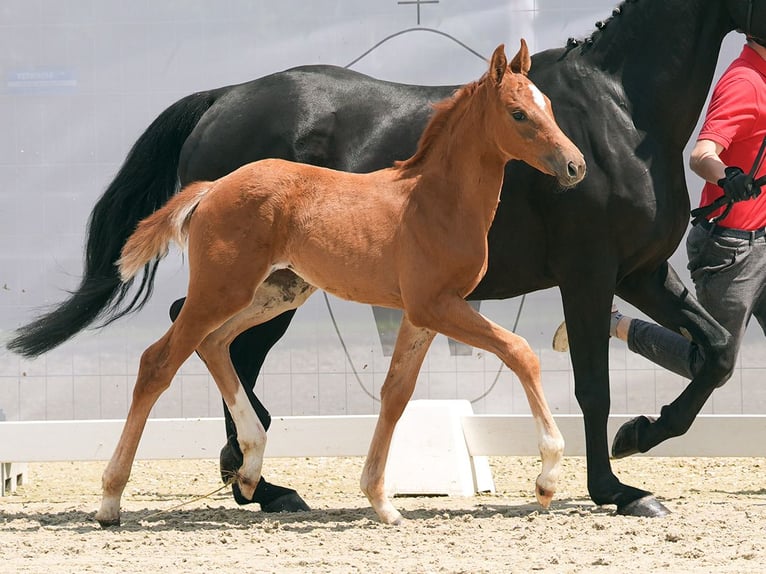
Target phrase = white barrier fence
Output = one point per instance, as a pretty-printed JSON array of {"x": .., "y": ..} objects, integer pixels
[{"x": 437, "y": 429}]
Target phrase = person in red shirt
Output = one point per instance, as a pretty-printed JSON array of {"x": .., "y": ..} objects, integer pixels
[{"x": 726, "y": 248}]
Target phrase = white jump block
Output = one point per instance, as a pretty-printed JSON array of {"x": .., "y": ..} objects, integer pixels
[
  {"x": 12, "y": 474},
  {"x": 429, "y": 454}
]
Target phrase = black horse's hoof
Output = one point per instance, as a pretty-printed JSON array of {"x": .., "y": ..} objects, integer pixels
[
  {"x": 230, "y": 461},
  {"x": 239, "y": 498},
  {"x": 290, "y": 502},
  {"x": 272, "y": 498},
  {"x": 625, "y": 442},
  {"x": 647, "y": 506}
]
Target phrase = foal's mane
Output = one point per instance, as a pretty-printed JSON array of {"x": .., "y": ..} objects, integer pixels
[{"x": 444, "y": 110}]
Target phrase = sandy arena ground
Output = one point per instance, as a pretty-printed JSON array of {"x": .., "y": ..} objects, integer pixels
[{"x": 717, "y": 525}]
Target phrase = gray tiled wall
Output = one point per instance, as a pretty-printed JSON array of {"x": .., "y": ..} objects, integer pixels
[{"x": 83, "y": 78}]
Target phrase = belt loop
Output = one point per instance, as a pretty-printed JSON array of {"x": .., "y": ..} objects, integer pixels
[{"x": 752, "y": 238}]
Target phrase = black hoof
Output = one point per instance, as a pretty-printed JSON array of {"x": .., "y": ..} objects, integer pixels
[
  {"x": 290, "y": 502},
  {"x": 271, "y": 497},
  {"x": 175, "y": 308},
  {"x": 238, "y": 496},
  {"x": 647, "y": 506},
  {"x": 625, "y": 442},
  {"x": 266, "y": 495},
  {"x": 230, "y": 461}
]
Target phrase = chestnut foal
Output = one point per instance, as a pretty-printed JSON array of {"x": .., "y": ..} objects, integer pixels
[{"x": 413, "y": 237}]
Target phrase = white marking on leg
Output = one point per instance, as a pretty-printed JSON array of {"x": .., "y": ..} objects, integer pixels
[
  {"x": 551, "y": 445},
  {"x": 252, "y": 441},
  {"x": 109, "y": 512}
]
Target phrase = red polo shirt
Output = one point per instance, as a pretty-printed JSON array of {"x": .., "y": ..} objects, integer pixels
[{"x": 736, "y": 119}]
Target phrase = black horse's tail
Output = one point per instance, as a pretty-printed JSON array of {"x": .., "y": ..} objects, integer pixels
[{"x": 146, "y": 180}]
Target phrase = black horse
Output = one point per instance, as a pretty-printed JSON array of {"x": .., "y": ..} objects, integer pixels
[{"x": 629, "y": 96}]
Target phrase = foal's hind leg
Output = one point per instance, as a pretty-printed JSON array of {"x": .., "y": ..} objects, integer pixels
[
  {"x": 282, "y": 291},
  {"x": 200, "y": 316},
  {"x": 159, "y": 363},
  {"x": 411, "y": 347},
  {"x": 454, "y": 317},
  {"x": 248, "y": 352}
]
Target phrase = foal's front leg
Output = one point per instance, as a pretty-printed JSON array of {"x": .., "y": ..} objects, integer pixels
[
  {"x": 452, "y": 316},
  {"x": 412, "y": 344}
]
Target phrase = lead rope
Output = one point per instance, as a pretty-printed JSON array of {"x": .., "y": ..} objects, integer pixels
[
  {"x": 700, "y": 213},
  {"x": 180, "y": 504},
  {"x": 356, "y": 373}
]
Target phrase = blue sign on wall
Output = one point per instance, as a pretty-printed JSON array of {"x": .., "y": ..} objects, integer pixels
[{"x": 41, "y": 80}]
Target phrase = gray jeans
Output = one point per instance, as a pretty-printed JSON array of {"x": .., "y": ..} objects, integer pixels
[{"x": 729, "y": 277}]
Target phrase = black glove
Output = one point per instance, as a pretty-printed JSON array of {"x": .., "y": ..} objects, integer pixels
[{"x": 737, "y": 185}]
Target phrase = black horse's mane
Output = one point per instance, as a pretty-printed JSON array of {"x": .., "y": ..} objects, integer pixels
[{"x": 589, "y": 41}]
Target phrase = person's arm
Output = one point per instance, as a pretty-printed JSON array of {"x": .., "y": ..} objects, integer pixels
[{"x": 705, "y": 161}]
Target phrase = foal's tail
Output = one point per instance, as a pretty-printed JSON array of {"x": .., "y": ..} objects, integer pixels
[
  {"x": 151, "y": 239},
  {"x": 147, "y": 179}
]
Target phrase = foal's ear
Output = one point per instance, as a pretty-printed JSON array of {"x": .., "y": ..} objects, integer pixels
[
  {"x": 521, "y": 62},
  {"x": 498, "y": 64}
]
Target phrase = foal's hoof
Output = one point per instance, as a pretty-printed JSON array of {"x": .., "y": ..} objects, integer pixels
[
  {"x": 625, "y": 442},
  {"x": 544, "y": 496},
  {"x": 109, "y": 523},
  {"x": 647, "y": 506},
  {"x": 393, "y": 518}
]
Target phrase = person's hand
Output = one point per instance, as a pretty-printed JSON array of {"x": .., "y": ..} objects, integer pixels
[{"x": 737, "y": 185}]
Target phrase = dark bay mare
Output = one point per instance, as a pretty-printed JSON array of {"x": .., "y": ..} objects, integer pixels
[{"x": 628, "y": 96}]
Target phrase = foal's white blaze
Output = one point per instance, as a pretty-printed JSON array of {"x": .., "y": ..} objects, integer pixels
[
  {"x": 538, "y": 96},
  {"x": 251, "y": 437}
]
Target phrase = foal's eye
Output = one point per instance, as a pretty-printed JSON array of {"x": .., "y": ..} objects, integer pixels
[{"x": 519, "y": 116}]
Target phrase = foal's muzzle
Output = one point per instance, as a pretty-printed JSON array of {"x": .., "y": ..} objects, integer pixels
[{"x": 573, "y": 173}]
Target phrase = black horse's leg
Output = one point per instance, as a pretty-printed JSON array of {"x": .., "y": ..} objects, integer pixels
[
  {"x": 664, "y": 297},
  {"x": 587, "y": 316},
  {"x": 248, "y": 352}
]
